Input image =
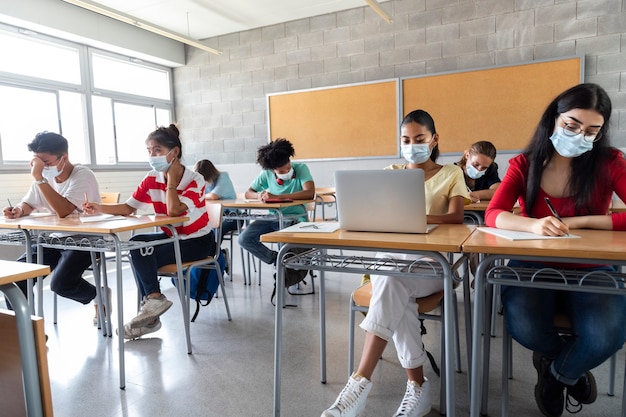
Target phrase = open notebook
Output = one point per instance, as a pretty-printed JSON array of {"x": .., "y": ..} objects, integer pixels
[{"x": 382, "y": 201}]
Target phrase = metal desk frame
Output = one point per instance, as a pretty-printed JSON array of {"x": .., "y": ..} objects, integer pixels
[{"x": 319, "y": 259}]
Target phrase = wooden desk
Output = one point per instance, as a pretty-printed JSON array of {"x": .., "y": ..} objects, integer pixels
[
  {"x": 594, "y": 247},
  {"x": 246, "y": 210},
  {"x": 104, "y": 236},
  {"x": 445, "y": 238},
  {"x": 32, "y": 353}
]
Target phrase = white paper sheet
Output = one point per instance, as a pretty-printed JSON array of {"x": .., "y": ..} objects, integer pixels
[
  {"x": 515, "y": 235},
  {"x": 312, "y": 227},
  {"x": 100, "y": 218}
]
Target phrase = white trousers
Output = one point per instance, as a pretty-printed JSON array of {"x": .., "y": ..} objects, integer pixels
[{"x": 393, "y": 312}]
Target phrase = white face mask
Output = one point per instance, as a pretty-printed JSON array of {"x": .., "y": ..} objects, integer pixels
[
  {"x": 570, "y": 146},
  {"x": 159, "y": 163},
  {"x": 51, "y": 172},
  {"x": 416, "y": 153},
  {"x": 286, "y": 176},
  {"x": 472, "y": 172}
]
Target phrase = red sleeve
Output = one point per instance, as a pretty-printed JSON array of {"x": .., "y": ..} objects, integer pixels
[
  {"x": 618, "y": 184},
  {"x": 513, "y": 187}
]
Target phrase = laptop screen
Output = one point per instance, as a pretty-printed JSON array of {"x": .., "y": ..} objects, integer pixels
[{"x": 381, "y": 200}]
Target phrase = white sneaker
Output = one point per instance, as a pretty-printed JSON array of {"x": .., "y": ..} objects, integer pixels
[
  {"x": 134, "y": 333},
  {"x": 151, "y": 309},
  {"x": 351, "y": 400},
  {"x": 416, "y": 401}
]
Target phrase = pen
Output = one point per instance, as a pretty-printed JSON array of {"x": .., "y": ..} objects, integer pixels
[
  {"x": 554, "y": 212},
  {"x": 10, "y": 205},
  {"x": 306, "y": 226}
]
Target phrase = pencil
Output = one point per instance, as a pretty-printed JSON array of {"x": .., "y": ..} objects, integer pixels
[{"x": 554, "y": 212}]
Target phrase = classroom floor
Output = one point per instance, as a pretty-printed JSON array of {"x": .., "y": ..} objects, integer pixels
[{"x": 230, "y": 372}]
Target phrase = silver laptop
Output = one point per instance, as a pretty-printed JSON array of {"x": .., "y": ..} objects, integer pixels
[{"x": 382, "y": 201}]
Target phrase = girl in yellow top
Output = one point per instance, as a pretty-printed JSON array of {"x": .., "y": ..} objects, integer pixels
[{"x": 393, "y": 311}]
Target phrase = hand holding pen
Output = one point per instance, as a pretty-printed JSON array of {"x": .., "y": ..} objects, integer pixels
[
  {"x": 12, "y": 212},
  {"x": 555, "y": 213}
]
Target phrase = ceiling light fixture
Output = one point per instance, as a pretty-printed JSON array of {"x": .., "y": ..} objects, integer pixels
[
  {"x": 374, "y": 5},
  {"x": 122, "y": 17}
]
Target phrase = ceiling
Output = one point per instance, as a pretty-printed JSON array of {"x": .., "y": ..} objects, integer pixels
[{"x": 202, "y": 19}]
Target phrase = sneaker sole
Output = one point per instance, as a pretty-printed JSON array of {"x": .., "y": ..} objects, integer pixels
[
  {"x": 145, "y": 320},
  {"x": 146, "y": 330}
]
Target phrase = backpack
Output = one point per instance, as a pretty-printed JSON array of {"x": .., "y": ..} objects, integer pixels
[
  {"x": 292, "y": 276},
  {"x": 203, "y": 284}
]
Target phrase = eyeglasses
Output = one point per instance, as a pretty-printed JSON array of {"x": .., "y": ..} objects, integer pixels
[{"x": 573, "y": 129}]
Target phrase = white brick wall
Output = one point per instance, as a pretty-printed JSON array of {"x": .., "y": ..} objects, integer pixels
[{"x": 220, "y": 100}]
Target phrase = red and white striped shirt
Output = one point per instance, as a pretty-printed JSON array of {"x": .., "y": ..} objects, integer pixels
[{"x": 151, "y": 193}]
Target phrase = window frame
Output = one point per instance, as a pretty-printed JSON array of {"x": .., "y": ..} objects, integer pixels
[{"x": 87, "y": 90}]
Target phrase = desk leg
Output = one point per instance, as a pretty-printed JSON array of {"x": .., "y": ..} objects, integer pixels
[
  {"x": 278, "y": 325},
  {"x": 449, "y": 329},
  {"x": 120, "y": 310},
  {"x": 27, "y": 349},
  {"x": 322, "y": 326},
  {"x": 479, "y": 339}
]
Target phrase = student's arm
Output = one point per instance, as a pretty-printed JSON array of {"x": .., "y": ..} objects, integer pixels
[
  {"x": 307, "y": 193},
  {"x": 122, "y": 209},
  {"x": 455, "y": 213},
  {"x": 484, "y": 195},
  {"x": 615, "y": 221},
  {"x": 19, "y": 210}
]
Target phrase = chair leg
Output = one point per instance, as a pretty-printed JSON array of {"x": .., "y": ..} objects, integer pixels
[
  {"x": 612, "y": 365},
  {"x": 221, "y": 278}
]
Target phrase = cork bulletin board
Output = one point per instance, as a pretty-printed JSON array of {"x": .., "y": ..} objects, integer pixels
[
  {"x": 500, "y": 104},
  {"x": 351, "y": 121}
]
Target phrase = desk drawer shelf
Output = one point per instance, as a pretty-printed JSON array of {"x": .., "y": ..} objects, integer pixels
[
  {"x": 559, "y": 279},
  {"x": 320, "y": 260}
]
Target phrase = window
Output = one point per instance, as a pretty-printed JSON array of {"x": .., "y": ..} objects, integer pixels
[{"x": 105, "y": 104}]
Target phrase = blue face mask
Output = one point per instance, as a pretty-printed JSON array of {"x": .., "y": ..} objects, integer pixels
[
  {"x": 570, "y": 146},
  {"x": 472, "y": 172},
  {"x": 159, "y": 163},
  {"x": 416, "y": 153}
]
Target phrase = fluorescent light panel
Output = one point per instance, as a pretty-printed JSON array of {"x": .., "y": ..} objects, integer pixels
[{"x": 122, "y": 17}]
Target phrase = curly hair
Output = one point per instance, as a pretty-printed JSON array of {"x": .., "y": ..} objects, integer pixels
[{"x": 275, "y": 154}]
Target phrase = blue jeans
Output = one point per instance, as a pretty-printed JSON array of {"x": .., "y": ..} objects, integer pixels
[
  {"x": 249, "y": 239},
  {"x": 147, "y": 261},
  {"x": 597, "y": 320}
]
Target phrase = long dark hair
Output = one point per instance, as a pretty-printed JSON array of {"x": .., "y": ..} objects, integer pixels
[
  {"x": 589, "y": 169},
  {"x": 423, "y": 118}
]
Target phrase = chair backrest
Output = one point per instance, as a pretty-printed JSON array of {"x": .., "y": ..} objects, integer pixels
[
  {"x": 110, "y": 197},
  {"x": 214, "y": 208}
]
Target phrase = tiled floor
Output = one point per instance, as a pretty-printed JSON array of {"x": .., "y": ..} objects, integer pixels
[{"x": 230, "y": 372}]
